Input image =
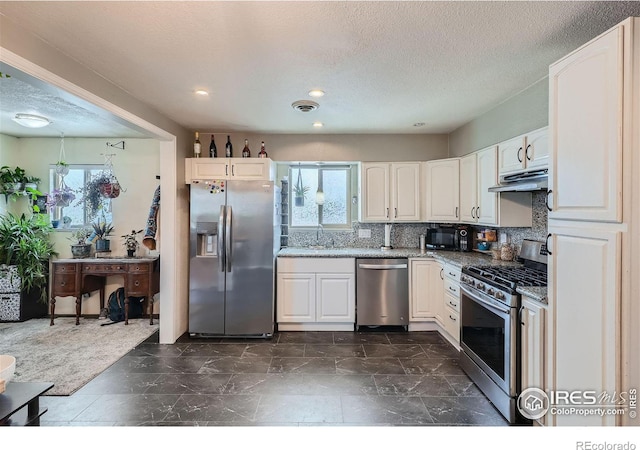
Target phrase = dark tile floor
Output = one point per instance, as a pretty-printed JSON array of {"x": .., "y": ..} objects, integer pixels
[{"x": 372, "y": 378}]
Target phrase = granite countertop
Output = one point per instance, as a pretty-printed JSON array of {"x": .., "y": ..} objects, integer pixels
[
  {"x": 458, "y": 259},
  {"x": 536, "y": 293}
]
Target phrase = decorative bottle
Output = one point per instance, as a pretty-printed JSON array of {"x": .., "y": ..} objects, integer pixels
[
  {"x": 263, "y": 153},
  {"x": 228, "y": 148},
  {"x": 196, "y": 146},
  {"x": 213, "y": 151},
  {"x": 246, "y": 153}
]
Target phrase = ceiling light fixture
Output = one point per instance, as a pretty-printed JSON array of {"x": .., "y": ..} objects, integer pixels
[
  {"x": 31, "y": 120},
  {"x": 419, "y": 124},
  {"x": 304, "y": 105},
  {"x": 318, "y": 124},
  {"x": 316, "y": 93},
  {"x": 202, "y": 92}
]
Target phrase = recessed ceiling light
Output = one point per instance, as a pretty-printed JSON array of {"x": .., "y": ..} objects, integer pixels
[
  {"x": 31, "y": 120},
  {"x": 318, "y": 124},
  {"x": 419, "y": 124},
  {"x": 316, "y": 93},
  {"x": 202, "y": 92}
]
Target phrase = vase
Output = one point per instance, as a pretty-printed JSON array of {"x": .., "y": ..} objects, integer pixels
[
  {"x": 299, "y": 201},
  {"x": 130, "y": 253},
  {"x": 55, "y": 223},
  {"x": 81, "y": 250},
  {"x": 110, "y": 190},
  {"x": 103, "y": 245}
]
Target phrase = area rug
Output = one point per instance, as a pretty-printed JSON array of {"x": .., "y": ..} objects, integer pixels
[{"x": 65, "y": 354}]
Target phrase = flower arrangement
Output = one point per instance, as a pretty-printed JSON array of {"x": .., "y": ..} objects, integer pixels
[{"x": 131, "y": 242}]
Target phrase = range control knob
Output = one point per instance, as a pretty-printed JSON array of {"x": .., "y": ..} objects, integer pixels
[
  {"x": 480, "y": 286},
  {"x": 491, "y": 291},
  {"x": 500, "y": 295}
]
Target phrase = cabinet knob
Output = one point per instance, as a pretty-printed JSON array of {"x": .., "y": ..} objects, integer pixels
[
  {"x": 136, "y": 283},
  {"x": 62, "y": 283}
]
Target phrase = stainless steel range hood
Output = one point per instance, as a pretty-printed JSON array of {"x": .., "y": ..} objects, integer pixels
[{"x": 533, "y": 180}]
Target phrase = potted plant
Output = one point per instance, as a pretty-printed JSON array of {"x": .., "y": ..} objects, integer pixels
[
  {"x": 103, "y": 185},
  {"x": 63, "y": 196},
  {"x": 102, "y": 230},
  {"x": 131, "y": 242},
  {"x": 25, "y": 249},
  {"x": 299, "y": 192},
  {"x": 62, "y": 168},
  {"x": 80, "y": 249},
  {"x": 11, "y": 181}
]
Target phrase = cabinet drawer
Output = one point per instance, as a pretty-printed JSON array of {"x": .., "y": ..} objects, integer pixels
[
  {"x": 451, "y": 287},
  {"x": 104, "y": 268},
  {"x": 452, "y": 323},
  {"x": 452, "y": 272},
  {"x": 64, "y": 268},
  {"x": 64, "y": 284},
  {"x": 138, "y": 285},
  {"x": 137, "y": 268},
  {"x": 316, "y": 265},
  {"x": 452, "y": 302}
]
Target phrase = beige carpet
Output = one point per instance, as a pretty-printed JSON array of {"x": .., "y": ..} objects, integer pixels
[{"x": 65, "y": 354}]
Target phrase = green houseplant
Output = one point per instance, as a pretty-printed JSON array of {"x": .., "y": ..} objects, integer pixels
[
  {"x": 131, "y": 242},
  {"x": 103, "y": 185},
  {"x": 80, "y": 248},
  {"x": 102, "y": 230},
  {"x": 25, "y": 249}
]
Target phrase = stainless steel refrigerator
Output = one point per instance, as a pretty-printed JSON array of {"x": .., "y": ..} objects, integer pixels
[{"x": 235, "y": 235}]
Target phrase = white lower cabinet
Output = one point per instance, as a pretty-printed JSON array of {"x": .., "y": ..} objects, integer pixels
[
  {"x": 532, "y": 319},
  {"x": 316, "y": 294},
  {"x": 425, "y": 289}
]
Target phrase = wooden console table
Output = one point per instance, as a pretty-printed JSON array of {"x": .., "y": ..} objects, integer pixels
[
  {"x": 16, "y": 397},
  {"x": 74, "y": 277}
]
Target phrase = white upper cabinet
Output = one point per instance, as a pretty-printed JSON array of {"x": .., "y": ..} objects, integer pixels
[
  {"x": 442, "y": 187},
  {"x": 201, "y": 169},
  {"x": 529, "y": 151},
  {"x": 390, "y": 192},
  {"x": 468, "y": 188},
  {"x": 486, "y": 212},
  {"x": 586, "y": 126}
]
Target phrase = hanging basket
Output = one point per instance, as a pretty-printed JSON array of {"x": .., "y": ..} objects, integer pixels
[{"x": 110, "y": 190}]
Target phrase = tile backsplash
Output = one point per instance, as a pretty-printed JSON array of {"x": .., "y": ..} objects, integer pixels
[{"x": 408, "y": 235}]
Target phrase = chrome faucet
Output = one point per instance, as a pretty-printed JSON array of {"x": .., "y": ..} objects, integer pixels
[{"x": 319, "y": 230}]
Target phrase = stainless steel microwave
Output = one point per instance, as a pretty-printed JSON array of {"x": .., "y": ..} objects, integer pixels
[{"x": 454, "y": 237}]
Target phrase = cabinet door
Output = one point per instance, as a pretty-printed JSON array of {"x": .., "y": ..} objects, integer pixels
[
  {"x": 250, "y": 168},
  {"x": 468, "y": 189},
  {"x": 335, "y": 297},
  {"x": 426, "y": 289},
  {"x": 532, "y": 324},
  {"x": 374, "y": 192},
  {"x": 442, "y": 181},
  {"x": 536, "y": 152},
  {"x": 585, "y": 123},
  {"x": 584, "y": 308},
  {"x": 405, "y": 192},
  {"x": 511, "y": 156},
  {"x": 487, "y": 210},
  {"x": 209, "y": 168},
  {"x": 296, "y": 297}
]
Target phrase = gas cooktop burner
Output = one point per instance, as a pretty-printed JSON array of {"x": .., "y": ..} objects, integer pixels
[{"x": 507, "y": 278}]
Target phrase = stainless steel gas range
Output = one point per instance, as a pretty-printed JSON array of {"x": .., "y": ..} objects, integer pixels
[{"x": 490, "y": 331}]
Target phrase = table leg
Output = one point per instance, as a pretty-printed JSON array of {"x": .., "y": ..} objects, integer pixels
[
  {"x": 78, "y": 308},
  {"x": 150, "y": 309},
  {"x": 53, "y": 310},
  {"x": 33, "y": 412}
]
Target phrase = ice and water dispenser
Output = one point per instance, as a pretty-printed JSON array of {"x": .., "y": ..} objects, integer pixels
[{"x": 207, "y": 238}]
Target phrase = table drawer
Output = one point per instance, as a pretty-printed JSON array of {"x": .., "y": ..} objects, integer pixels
[
  {"x": 64, "y": 268},
  {"x": 64, "y": 284},
  {"x": 103, "y": 268},
  {"x": 136, "y": 268},
  {"x": 138, "y": 285}
]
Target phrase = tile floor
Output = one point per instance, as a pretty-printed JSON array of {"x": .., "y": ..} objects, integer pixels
[{"x": 370, "y": 378}]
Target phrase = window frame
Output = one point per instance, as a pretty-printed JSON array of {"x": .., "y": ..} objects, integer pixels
[
  {"x": 54, "y": 183},
  {"x": 292, "y": 173}
]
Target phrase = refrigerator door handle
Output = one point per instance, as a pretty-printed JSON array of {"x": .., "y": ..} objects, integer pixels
[
  {"x": 228, "y": 238},
  {"x": 221, "y": 258}
]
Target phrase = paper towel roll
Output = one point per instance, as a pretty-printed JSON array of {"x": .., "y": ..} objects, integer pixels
[{"x": 387, "y": 235}]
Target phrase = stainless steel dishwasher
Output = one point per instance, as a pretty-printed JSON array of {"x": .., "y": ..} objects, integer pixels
[{"x": 382, "y": 292}]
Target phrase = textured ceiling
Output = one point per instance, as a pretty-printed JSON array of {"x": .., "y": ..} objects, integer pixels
[{"x": 383, "y": 65}]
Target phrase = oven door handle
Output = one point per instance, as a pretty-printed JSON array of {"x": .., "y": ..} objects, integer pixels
[{"x": 483, "y": 302}]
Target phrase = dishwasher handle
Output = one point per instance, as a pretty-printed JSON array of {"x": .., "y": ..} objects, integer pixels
[{"x": 382, "y": 266}]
